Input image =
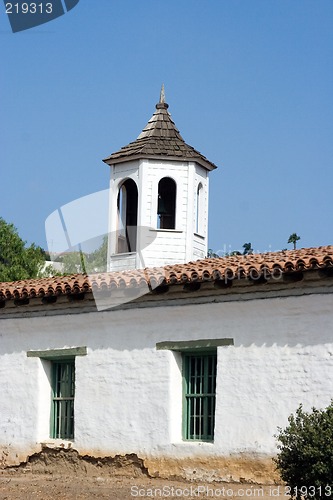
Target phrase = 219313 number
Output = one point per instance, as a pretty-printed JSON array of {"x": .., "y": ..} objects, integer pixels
[{"x": 29, "y": 8}]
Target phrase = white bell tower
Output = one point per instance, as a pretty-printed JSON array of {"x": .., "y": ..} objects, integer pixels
[{"x": 158, "y": 198}]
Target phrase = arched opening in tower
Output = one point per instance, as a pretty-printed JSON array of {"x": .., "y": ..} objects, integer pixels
[
  {"x": 127, "y": 204},
  {"x": 166, "y": 204}
]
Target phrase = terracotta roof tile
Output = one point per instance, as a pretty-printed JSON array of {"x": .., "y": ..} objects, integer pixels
[{"x": 223, "y": 268}]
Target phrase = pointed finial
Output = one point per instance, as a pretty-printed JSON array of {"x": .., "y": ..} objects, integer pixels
[
  {"x": 162, "y": 104},
  {"x": 162, "y": 95}
]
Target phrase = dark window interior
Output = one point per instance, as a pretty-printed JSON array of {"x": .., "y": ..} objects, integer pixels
[
  {"x": 127, "y": 204},
  {"x": 166, "y": 206}
]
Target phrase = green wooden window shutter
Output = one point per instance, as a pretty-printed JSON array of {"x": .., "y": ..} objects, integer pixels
[
  {"x": 63, "y": 388},
  {"x": 199, "y": 391}
]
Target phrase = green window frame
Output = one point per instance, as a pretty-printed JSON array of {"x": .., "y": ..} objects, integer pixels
[
  {"x": 199, "y": 395},
  {"x": 62, "y": 404}
]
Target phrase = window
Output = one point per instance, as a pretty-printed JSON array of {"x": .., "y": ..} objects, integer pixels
[
  {"x": 199, "y": 392},
  {"x": 196, "y": 362},
  {"x": 127, "y": 204},
  {"x": 166, "y": 204},
  {"x": 198, "y": 215},
  {"x": 63, "y": 388},
  {"x": 59, "y": 369}
]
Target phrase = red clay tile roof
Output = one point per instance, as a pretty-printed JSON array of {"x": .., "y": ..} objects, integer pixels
[
  {"x": 160, "y": 139},
  {"x": 235, "y": 267}
]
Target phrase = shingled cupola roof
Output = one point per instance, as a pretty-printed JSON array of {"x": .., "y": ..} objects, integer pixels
[{"x": 160, "y": 139}]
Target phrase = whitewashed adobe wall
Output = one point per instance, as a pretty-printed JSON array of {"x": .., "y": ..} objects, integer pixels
[{"x": 128, "y": 394}]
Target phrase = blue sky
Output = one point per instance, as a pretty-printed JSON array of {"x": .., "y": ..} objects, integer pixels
[{"x": 249, "y": 84}]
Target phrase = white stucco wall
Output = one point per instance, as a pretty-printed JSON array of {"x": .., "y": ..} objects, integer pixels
[
  {"x": 128, "y": 394},
  {"x": 156, "y": 248}
]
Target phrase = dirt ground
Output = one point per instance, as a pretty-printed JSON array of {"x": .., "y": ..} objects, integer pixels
[
  {"x": 65, "y": 475},
  {"x": 30, "y": 486}
]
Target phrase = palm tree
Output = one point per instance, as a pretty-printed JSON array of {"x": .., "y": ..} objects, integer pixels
[{"x": 293, "y": 238}]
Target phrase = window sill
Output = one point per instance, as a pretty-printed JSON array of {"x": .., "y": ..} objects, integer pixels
[
  {"x": 122, "y": 255},
  {"x": 202, "y": 442},
  {"x": 57, "y": 443},
  {"x": 166, "y": 230},
  {"x": 191, "y": 442}
]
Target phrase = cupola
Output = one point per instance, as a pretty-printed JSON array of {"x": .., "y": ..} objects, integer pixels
[{"x": 158, "y": 198}]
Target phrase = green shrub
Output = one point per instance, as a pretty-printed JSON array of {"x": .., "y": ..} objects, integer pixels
[{"x": 305, "y": 458}]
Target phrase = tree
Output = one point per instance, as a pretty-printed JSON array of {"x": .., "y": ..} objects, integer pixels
[
  {"x": 17, "y": 261},
  {"x": 73, "y": 263},
  {"x": 248, "y": 250},
  {"x": 293, "y": 238},
  {"x": 97, "y": 260},
  {"x": 76, "y": 261},
  {"x": 211, "y": 254},
  {"x": 305, "y": 459}
]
